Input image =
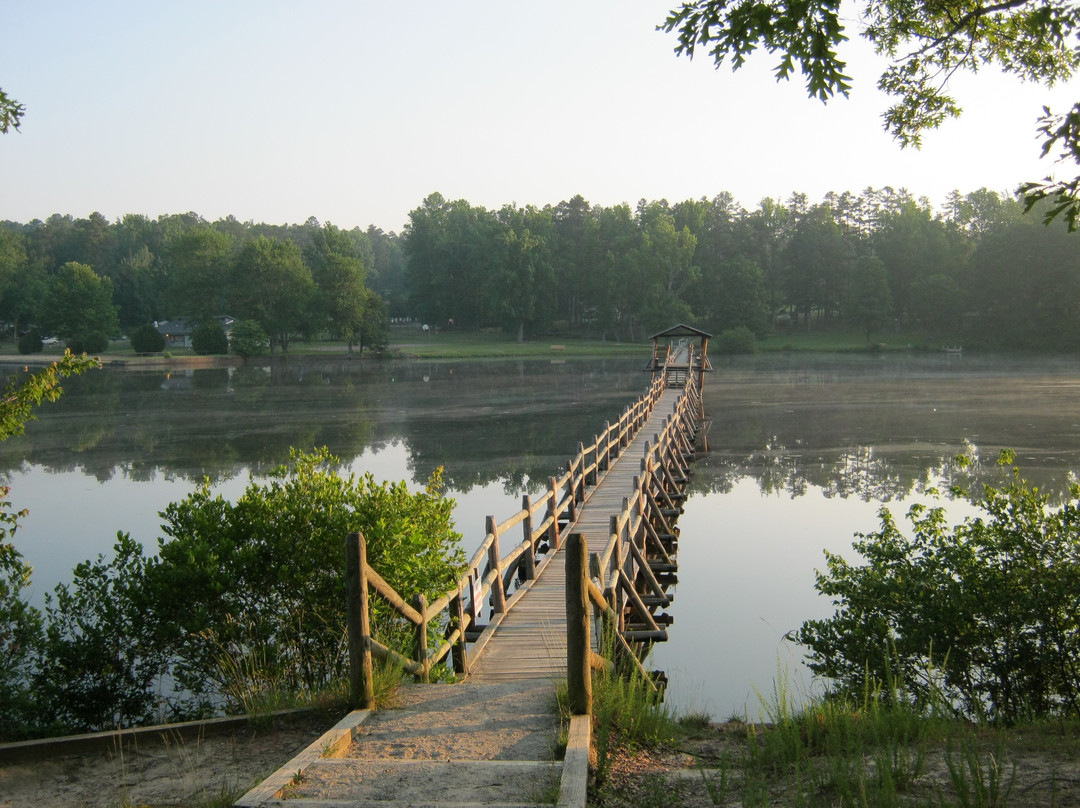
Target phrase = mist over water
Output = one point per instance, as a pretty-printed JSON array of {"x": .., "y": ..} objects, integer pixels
[{"x": 804, "y": 450}]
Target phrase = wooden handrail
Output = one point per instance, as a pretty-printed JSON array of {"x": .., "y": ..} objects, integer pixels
[{"x": 487, "y": 572}]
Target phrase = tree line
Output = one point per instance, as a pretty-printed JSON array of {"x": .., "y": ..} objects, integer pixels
[{"x": 978, "y": 272}]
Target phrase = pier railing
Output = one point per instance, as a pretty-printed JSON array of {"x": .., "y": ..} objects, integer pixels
[
  {"x": 627, "y": 580},
  {"x": 492, "y": 581}
]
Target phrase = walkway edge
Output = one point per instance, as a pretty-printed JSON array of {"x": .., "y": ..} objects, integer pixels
[
  {"x": 574, "y": 785},
  {"x": 330, "y": 743}
]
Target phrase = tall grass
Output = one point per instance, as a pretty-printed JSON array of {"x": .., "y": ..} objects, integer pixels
[
  {"x": 628, "y": 714},
  {"x": 881, "y": 749}
]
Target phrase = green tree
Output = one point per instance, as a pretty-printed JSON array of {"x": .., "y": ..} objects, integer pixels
[
  {"x": 101, "y": 666},
  {"x": 198, "y": 260},
  {"x": 248, "y": 595},
  {"x": 210, "y": 338},
  {"x": 340, "y": 296},
  {"x": 248, "y": 339},
  {"x": 912, "y": 245},
  {"x": 1023, "y": 286},
  {"x": 816, "y": 257},
  {"x": 271, "y": 285},
  {"x": 79, "y": 303},
  {"x": 924, "y": 45},
  {"x": 147, "y": 339},
  {"x": 869, "y": 302},
  {"x": 981, "y": 614},
  {"x": 21, "y": 625},
  {"x": 11, "y": 113}
]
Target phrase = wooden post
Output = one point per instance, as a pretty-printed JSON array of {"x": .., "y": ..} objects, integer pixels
[
  {"x": 461, "y": 657},
  {"x": 498, "y": 592},
  {"x": 420, "y": 646},
  {"x": 527, "y": 530},
  {"x": 578, "y": 646},
  {"x": 583, "y": 479},
  {"x": 553, "y": 513},
  {"x": 607, "y": 447},
  {"x": 361, "y": 682}
]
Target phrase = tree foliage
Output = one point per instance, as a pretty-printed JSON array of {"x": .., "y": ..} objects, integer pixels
[
  {"x": 101, "y": 666},
  {"x": 78, "y": 304},
  {"x": 21, "y": 625},
  {"x": 980, "y": 615},
  {"x": 925, "y": 44},
  {"x": 147, "y": 339},
  {"x": 619, "y": 271},
  {"x": 248, "y": 595},
  {"x": 209, "y": 338},
  {"x": 248, "y": 339},
  {"x": 11, "y": 113}
]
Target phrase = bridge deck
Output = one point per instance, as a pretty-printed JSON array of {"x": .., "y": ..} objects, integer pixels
[{"x": 530, "y": 642}]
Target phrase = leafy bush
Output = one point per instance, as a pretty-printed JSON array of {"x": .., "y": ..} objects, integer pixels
[
  {"x": 20, "y": 630},
  {"x": 249, "y": 339},
  {"x": 738, "y": 340},
  {"x": 30, "y": 342},
  {"x": 147, "y": 339},
  {"x": 981, "y": 615},
  {"x": 249, "y": 596},
  {"x": 209, "y": 338},
  {"x": 101, "y": 665},
  {"x": 90, "y": 342}
]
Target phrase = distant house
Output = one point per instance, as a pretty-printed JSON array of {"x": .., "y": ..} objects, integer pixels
[{"x": 177, "y": 333}]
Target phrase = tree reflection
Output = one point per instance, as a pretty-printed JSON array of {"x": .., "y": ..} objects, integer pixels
[{"x": 878, "y": 431}]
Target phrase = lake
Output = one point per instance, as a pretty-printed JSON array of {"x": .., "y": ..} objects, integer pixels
[{"x": 803, "y": 451}]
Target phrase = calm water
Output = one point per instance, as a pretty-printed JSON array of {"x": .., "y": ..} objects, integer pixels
[{"x": 804, "y": 451}]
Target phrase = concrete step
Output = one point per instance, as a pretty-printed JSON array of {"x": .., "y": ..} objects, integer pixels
[{"x": 416, "y": 783}]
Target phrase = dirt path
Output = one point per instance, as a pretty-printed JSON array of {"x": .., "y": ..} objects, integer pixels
[{"x": 185, "y": 773}]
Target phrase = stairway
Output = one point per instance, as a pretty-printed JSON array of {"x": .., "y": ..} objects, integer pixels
[{"x": 446, "y": 745}]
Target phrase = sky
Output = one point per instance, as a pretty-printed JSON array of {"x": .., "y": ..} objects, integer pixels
[{"x": 353, "y": 112}]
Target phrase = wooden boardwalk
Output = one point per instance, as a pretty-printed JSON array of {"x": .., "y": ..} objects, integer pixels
[
  {"x": 530, "y": 641},
  {"x": 489, "y": 741}
]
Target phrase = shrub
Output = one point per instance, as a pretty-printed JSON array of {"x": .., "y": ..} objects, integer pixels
[
  {"x": 738, "y": 340},
  {"x": 147, "y": 339},
  {"x": 21, "y": 630},
  {"x": 249, "y": 595},
  {"x": 982, "y": 614},
  {"x": 209, "y": 338},
  {"x": 30, "y": 342},
  {"x": 249, "y": 339},
  {"x": 101, "y": 665},
  {"x": 91, "y": 342}
]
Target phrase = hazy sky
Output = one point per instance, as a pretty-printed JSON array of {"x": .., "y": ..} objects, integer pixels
[{"x": 353, "y": 112}]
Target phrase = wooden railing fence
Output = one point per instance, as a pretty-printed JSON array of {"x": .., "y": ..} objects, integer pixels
[
  {"x": 492, "y": 580},
  {"x": 627, "y": 580}
]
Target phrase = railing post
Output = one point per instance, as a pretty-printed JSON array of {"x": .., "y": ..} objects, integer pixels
[
  {"x": 607, "y": 445},
  {"x": 578, "y": 646},
  {"x": 361, "y": 682},
  {"x": 460, "y": 655},
  {"x": 527, "y": 529},
  {"x": 571, "y": 510},
  {"x": 420, "y": 643},
  {"x": 498, "y": 593},
  {"x": 553, "y": 513}
]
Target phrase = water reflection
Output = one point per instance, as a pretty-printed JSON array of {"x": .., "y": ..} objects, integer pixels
[{"x": 803, "y": 452}]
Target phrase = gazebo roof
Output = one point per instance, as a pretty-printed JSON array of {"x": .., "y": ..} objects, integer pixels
[{"x": 682, "y": 330}]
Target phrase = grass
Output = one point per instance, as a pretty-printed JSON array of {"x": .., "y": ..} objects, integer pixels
[
  {"x": 876, "y": 750},
  {"x": 446, "y": 345}
]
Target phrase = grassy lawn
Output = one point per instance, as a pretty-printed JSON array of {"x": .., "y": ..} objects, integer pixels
[{"x": 413, "y": 343}]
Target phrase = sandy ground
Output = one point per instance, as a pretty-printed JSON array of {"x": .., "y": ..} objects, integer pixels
[{"x": 186, "y": 773}]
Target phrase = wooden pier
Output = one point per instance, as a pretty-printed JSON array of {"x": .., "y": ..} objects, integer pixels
[{"x": 504, "y": 626}]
